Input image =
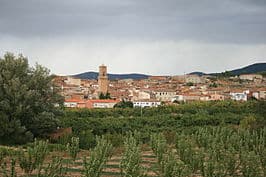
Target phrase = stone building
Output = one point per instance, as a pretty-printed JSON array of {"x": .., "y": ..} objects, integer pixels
[
  {"x": 195, "y": 79},
  {"x": 103, "y": 79},
  {"x": 164, "y": 95},
  {"x": 250, "y": 77}
]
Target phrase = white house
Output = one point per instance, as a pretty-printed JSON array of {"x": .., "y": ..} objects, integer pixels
[
  {"x": 239, "y": 95},
  {"x": 164, "y": 95},
  {"x": 72, "y": 103},
  {"x": 101, "y": 103},
  {"x": 146, "y": 103}
]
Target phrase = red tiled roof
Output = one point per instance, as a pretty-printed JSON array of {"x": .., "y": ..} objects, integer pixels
[
  {"x": 103, "y": 101},
  {"x": 146, "y": 100},
  {"x": 74, "y": 100}
]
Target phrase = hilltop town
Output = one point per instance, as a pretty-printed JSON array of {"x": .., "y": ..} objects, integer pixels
[{"x": 158, "y": 90}]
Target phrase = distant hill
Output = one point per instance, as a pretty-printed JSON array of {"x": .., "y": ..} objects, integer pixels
[
  {"x": 198, "y": 73},
  {"x": 94, "y": 75},
  {"x": 255, "y": 68},
  {"x": 251, "y": 69}
]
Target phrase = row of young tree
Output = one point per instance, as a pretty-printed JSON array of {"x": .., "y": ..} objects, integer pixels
[
  {"x": 206, "y": 152},
  {"x": 211, "y": 152}
]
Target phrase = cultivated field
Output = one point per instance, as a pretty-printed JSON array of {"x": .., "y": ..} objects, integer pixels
[{"x": 207, "y": 152}]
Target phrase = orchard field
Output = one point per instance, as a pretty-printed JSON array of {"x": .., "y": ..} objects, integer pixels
[
  {"x": 217, "y": 139},
  {"x": 206, "y": 152}
]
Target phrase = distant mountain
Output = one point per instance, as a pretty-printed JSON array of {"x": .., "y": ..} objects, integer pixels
[
  {"x": 198, "y": 73},
  {"x": 94, "y": 75},
  {"x": 255, "y": 68},
  {"x": 251, "y": 69}
]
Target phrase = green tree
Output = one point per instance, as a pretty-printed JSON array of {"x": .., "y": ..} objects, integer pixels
[
  {"x": 103, "y": 96},
  {"x": 189, "y": 84},
  {"x": 225, "y": 74},
  {"x": 124, "y": 104},
  {"x": 29, "y": 102},
  {"x": 214, "y": 85}
]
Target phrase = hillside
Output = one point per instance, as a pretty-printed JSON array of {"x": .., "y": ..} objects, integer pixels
[
  {"x": 255, "y": 68},
  {"x": 94, "y": 75},
  {"x": 251, "y": 69}
]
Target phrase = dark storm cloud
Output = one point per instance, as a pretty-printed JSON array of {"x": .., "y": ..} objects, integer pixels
[{"x": 215, "y": 21}]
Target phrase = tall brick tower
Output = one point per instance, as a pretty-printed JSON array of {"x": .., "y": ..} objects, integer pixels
[{"x": 103, "y": 79}]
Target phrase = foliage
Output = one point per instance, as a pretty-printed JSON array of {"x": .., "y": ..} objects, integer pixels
[
  {"x": 249, "y": 164},
  {"x": 158, "y": 145},
  {"x": 225, "y": 74},
  {"x": 124, "y": 104},
  {"x": 103, "y": 96},
  {"x": 131, "y": 159},
  {"x": 54, "y": 169},
  {"x": 223, "y": 151},
  {"x": 34, "y": 157},
  {"x": 87, "y": 139},
  {"x": 98, "y": 157},
  {"x": 248, "y": 122},
  {"x": 189, "y": 84},
  {"x": 73, "y": 148},
  {"x": 27, "y": 100},
  {"x": 172, "y": 167},
  {"x": 263, "y": 73},
  {"x": 115, "y": 139},
  {"x": 214, "y": 85},
  {"x": 8, "y": 172}
]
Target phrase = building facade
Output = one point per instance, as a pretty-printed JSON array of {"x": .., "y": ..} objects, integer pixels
[
  {"x": 250, "y": 77},
  {"x": 164, "y": 95},
  {"x": 240, "y": 95},
  {"x": 195, "y": 79},
  {"x": 146, "y": 103},
  {"x": 103, "y": 79},
  {"x": 101, "y": 103}
]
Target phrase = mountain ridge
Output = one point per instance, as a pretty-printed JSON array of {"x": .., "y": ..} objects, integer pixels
[
  {"x": 94, "y": 75},
  {"x": 250, "y": 69}
]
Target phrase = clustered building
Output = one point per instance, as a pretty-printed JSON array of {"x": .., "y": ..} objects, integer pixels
[{"x": 157, "y": 90}]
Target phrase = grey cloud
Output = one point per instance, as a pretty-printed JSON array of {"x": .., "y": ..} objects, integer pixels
[{"x": 215, "y": 21}]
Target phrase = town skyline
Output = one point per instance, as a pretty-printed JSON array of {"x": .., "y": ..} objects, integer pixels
[{"x": 152, "y": 91}]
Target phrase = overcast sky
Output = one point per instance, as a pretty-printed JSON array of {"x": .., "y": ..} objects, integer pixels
[{"x": 158, "y": 37}]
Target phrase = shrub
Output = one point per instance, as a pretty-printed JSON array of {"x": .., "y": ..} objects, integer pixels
[
  {"x": 98, "y": 157},
  {"x": 73, "y": 148},
  {"x": 34, "y": 157},
  {"x": 130, "y": 164}
]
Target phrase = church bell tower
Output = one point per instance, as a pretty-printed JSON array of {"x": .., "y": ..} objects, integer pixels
[{"x": 103, "y": 79}]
